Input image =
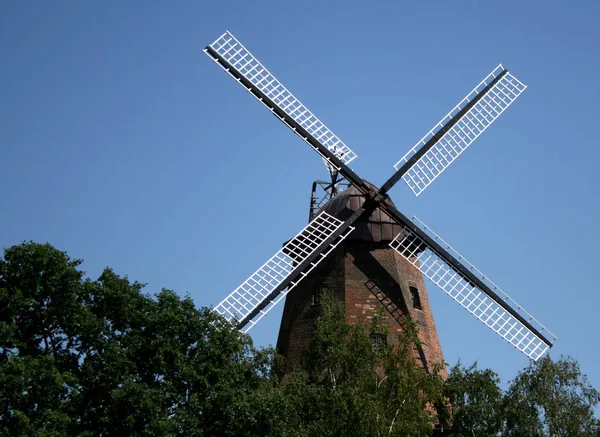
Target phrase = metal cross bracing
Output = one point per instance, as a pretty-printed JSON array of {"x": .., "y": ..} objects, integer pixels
[
  {"x": 328, "y": 191},
  {"x": 424, "y": 162},
  {"x": 532, "y": 340}
]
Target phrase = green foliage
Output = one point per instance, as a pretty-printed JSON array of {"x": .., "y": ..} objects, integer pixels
[
  {"x": 95, "y": 358},
  {"x": 476, "y": 400},
  {"x": 551, "y": 398},
  {"x": 349, "y": 387},
  {"x": 81, "y": 357},
  {"x": 548, "y": 398}
]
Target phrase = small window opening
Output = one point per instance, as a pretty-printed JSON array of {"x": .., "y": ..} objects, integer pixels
[
  {"x": 414, "y": 293},
  {"x": 378, "y": 341},
  {"x": 318, "y": 291}
]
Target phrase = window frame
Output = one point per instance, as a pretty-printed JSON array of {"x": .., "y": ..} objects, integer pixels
[{"x": 415, "y": 297}]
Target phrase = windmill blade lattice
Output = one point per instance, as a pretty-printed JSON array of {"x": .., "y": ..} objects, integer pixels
[
  {"x": 489, "y": 307},
  {"x": 267, "y": 286},
  {"x": 461, "y": 135},
  {"x": 418, "y": 168},
  {"x": 234, "y": 58}
]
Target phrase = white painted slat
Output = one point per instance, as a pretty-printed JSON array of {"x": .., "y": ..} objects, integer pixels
[
  {"x": 258, "y": 287},
  {"x": 228, "y": 47},
  {"x": 474, "y": 300},
  {"x": 464, "y": 132}
]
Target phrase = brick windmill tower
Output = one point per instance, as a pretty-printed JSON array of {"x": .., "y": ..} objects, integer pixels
[
  {"x": 368, "y": 275},
  {"x": 360, "y": 245}
]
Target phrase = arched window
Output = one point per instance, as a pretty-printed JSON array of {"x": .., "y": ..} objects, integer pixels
[{"x": 416, "y": 300}]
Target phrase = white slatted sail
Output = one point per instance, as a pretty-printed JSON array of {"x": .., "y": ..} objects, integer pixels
[
  {"x": 261, "y": 284},
  {"x": 474, "y": 300},
  {"x": 230, "y": 49},
  {"x": 464, "y": 132}
]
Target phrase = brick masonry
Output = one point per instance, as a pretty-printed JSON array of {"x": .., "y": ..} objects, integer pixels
[{"x": 367, "y": 276}]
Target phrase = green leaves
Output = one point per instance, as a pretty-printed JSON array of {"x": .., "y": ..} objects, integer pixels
[
  {"x": 82, "y": 357},
  {"x": 476, "y": 401},
  {"x": 349, "y": 386},
  {"x": 551, "y": 398},
  {"x": 547, "y": 398},
  {"x": 86, "y": 358}
]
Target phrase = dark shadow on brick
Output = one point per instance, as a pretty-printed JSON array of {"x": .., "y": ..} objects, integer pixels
[{"x": 389, "y": 293}]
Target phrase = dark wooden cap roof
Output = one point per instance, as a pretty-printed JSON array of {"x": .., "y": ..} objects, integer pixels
[{"x": 379, "y": 227}]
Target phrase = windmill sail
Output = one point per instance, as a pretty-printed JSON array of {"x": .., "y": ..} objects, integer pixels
[
  {"x": 474, "y": 291},
  {"x": 234, "y": 58},
  {"x": 246, "y": 305},
  {"x": 256, "y": 296},
  {"x": 458, "y": 129}
]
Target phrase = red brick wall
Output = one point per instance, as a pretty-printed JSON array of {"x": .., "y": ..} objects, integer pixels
[{"x": 367, "y": 277}]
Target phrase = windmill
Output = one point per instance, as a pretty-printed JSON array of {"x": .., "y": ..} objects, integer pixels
[{"x": 413, "y": 241}]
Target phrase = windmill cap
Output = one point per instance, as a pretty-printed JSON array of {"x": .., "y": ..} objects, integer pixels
[{"x": 379, "y": 227}]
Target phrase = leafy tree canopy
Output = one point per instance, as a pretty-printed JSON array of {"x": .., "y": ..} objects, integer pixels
[
  {"x": 93, "y": 358},
  {"x": 476, "y": 401},
  {"x": 551, "y": 398},
  {"x": 82, "y": 357},
  {"x": 546, "y": 399},
  {"x": 351, "y": 386}
]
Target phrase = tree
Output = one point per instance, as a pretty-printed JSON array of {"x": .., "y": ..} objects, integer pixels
[
  {"x": 40, "y": 329},
  {"x": 476, "y": 401},
  {"x": 551, "y": 398},
  {"x": 93, "y": 358},
  {"x": 99, "y": 357},
  {"x": 349, "y": 386}
]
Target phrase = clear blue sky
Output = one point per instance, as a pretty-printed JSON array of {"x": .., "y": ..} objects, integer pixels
[{"x": 123, "y": 144}]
